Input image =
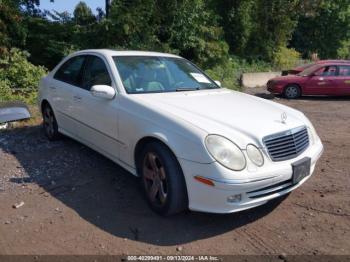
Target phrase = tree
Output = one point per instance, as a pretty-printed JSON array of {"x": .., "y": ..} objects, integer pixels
[
  {"x": 83, "y": 14},
  {"x": 12, "y": 32},
  {"x": 257, "y": 28},
  {"x": 108, "y": 4},
  {"x": 343, "y": 51},
  {"x": 325, "y": 30},
  {"x": 276, "y": 21},
  {"x": 192, "y": 28},
  {"x": 238, "y": 21}
]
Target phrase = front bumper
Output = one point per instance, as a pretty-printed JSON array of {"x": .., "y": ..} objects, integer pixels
[
  {"x": 256, "y": 185},
  {"x": 275, "y": 88}
]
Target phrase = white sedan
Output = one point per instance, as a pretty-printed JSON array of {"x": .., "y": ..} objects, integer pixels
[{"x": 194, "y": 144}]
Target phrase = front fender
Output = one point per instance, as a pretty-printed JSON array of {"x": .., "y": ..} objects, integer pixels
[{"x": 136, "y": 121}]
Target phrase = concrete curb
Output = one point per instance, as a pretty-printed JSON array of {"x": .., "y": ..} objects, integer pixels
[{"x": 257, "y": 79}]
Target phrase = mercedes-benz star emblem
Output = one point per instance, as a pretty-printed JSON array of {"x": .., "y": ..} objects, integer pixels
[{"x": 284, "y": 117}]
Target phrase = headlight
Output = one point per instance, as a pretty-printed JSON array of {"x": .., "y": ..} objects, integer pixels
[
  {"x": 255, "y": 155},
  {"x": 314, "y": 138},
  {"x": 225, "y": 152}
]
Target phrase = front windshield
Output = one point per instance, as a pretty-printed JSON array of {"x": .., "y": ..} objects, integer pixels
[
  {"x": 308, "y": 71},
  {"x": 151, "y": 74}
]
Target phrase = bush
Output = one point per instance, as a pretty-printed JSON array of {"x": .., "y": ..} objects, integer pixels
[
  {"x": 286, "y": 58},
  {"x": 229, "y": 72},
  {"x": 344, "y": 51},
  {"x": 19, "y": 78}
]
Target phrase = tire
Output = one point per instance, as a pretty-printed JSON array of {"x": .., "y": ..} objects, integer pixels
[
  {"x": 50, "y": 123},
  {"x": 162, "y": 179},
  {"x": 292, "y": 92}
]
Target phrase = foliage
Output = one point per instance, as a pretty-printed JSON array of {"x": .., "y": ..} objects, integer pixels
[
  {"x": 229, "y": 72},
  {"x": 48, "y": 42},
  {"x": 285, "y": 58},
  {"x": 193, "y": 30},
  {"x": 133, "y": 23},
  {"x": 83, "y": 14},
  {"x": 325, "y": 30},
  {"x": 257, "y": 28},
  {"x": 12, "y": 32},
  {"x": 344, "y": 50},
  {"x": 19, "y": 78}
]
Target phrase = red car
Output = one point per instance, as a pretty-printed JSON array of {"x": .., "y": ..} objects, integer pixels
[{"x": 320, "y": 79}]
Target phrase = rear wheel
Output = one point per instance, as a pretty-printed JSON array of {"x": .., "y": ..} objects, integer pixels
[
  {"x": 292, "y": 92},
  {"x": 162, "y": 179},
  {"x": 50, "y": 123}
]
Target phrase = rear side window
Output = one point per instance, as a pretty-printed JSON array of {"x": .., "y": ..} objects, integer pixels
[
  {"x": 95, "y": 73},
  {"x": 70, "y": 71},
  {"x": 344, "y": 70}
]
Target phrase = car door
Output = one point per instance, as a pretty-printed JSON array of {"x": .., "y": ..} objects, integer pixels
[
  {"x": 343, "y": 80},
  {"x": 62, "y": 86},
  {"x": 322, "y": 82},
  {"x": 97, "y": 117}
]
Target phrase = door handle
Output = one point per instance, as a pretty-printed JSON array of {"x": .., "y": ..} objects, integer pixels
[{"x": 53, "y": 88}]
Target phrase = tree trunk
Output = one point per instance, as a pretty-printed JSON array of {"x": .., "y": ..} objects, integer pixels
[{"x": 108, "y": 7}]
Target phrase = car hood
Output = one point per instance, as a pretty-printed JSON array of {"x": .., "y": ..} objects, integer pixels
[
  {"x": 286, "y": 78},
  {"x": 228, "y": 113}
]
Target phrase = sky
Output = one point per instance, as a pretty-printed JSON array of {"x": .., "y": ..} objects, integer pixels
[{"x": 68, "y": 5}]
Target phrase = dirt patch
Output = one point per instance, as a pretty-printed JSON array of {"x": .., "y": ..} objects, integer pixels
[{"x": 78, "y": 202}]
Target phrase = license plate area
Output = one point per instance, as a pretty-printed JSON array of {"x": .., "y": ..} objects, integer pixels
[{"x": 301, "y": 169}]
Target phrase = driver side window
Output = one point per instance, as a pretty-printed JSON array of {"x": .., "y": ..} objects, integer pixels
[
  {"x": 327, "y": 71},
  {"x": 70, "y": 71},
  {"x": 95, "y": 73}
]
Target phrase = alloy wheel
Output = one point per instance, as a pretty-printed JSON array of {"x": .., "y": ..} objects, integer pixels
[
  {"x": 154, "y": 178},
  {"x": 49, "y": 120}
]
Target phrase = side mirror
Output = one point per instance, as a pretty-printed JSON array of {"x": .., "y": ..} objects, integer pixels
[
  {"x": 218, "y": 83},
  {"x": 103, "y": 91}
]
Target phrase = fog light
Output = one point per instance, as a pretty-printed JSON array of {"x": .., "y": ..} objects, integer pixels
[{"x": 234, "y": 198}]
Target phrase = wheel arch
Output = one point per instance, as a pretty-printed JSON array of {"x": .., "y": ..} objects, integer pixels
[
  {"x": 149, "y": 139},
  {"x": 43, "y": 103}
]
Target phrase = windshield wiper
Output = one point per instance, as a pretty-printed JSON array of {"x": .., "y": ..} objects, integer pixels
[{"x": 187, "y": 89}]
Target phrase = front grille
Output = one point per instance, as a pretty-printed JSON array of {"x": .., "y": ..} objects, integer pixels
[{"x": 287, "y": 145}]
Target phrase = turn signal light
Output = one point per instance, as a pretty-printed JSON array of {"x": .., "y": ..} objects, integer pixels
[{"x": 204, "y": 180}]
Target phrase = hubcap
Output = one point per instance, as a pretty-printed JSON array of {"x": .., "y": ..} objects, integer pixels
[
  {"x": 292, "y": 91},
  {"x": 49, "y": 121},
  {"x": 154, "y": 179}
]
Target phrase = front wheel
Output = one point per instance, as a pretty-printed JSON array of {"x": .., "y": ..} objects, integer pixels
[
  {"x": 292, "y": 92},
  {"x": 50, "y": 124},
  {"x": 162, "y": 180}
]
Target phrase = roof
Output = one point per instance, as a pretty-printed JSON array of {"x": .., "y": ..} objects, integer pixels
[
  {"x": 323, "y": 63},
  {"x": 111, "y": 52},
  {"x": 339, "y": 61}
]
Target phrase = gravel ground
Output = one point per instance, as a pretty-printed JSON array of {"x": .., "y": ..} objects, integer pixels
[{"x": 72, "y": 200}]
